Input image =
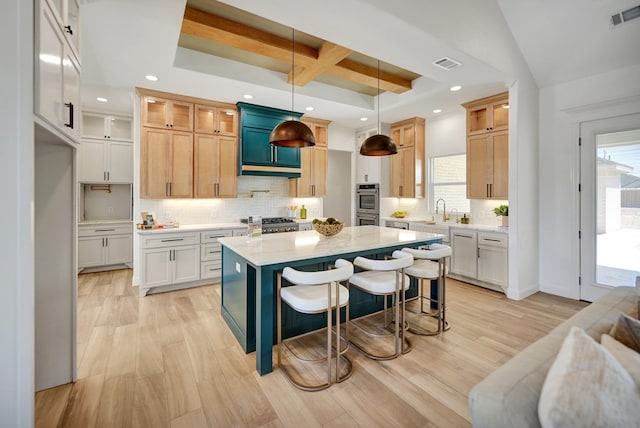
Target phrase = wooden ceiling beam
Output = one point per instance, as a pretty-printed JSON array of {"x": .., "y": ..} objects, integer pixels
[
  {"x": 310, "y": 62},
  {"x": 328, "y": 56},
  {"x": 230, "y": 33}
]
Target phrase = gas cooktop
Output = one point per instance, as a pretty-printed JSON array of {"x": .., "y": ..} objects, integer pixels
[{"x": 277, "y": 224}]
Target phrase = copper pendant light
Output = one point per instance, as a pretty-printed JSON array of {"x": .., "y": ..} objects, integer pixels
[
  {"x": 378, "y": 145},
  {"x": 292, "y": 133}
]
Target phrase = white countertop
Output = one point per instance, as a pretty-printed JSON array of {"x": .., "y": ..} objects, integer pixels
[
  {"x": 284, "y": 247},
  {"x": 194, "y": 228},
  {"x": 95, "y": 222},
  {"x": 450, "y": 224}
]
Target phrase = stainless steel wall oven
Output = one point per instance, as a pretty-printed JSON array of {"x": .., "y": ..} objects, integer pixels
[{"x": 368, "y": 204}]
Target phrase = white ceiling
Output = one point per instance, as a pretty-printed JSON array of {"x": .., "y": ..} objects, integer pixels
[{"x": 122, "y": 41}]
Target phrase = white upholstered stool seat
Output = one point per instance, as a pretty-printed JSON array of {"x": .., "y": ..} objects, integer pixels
[
  {"x": 430, "y": 264},
  {"x": 384, "y": 278},
  {"x": 312, "y": 293}
]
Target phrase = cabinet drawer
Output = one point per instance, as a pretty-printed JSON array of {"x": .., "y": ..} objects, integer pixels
[
  {"x": 492, "y": 239},
  {"x": 170, "y": 240},
  {"x": 210, "y": 251},
  {"x": 213, "y": 235},
  {"x": 105, "y": 229},
  {"x": 211, "y": 270}
]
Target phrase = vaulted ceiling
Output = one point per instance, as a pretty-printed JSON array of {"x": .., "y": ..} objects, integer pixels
[{"x": 223, "y": 49}]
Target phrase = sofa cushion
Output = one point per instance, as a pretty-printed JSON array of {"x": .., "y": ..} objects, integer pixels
[
  {"x": 509, "y": 396},
  {"x": 586, "y": 383},
  {"x": 627, "y": 357},
  {"x": 627, "y": 331}
]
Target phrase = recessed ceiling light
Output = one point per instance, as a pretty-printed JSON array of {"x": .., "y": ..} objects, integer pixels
[
  {"x": 102, "y": 100},
  {"x": 309, "y": 108},
  {"x": 247, "y": 96},
  {"x": 364, "y": 119},
  {"x": 455, "y": 88},
  {"x": 437, "y": 110},
  {"x": 151, "y": 77}
]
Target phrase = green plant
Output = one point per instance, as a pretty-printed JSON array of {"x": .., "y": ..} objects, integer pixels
[{"x": 502, "y": 210}]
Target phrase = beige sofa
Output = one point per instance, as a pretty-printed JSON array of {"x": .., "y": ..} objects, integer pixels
[{"x": 509, "y": 396}]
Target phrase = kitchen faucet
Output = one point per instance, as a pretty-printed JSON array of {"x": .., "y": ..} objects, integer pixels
[{"x": 444, "y": 209}]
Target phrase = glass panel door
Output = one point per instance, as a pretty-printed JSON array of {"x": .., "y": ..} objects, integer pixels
[
  {"x": 609, "y": 204},
  {"x": 618, "y": 208}
]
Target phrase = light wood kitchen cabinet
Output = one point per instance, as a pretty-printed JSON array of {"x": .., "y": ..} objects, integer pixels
[
  {"x": 407, "y": 170},
  {"x": 403, "y": 134},
  {"x": 217, "y": 120},
  {"x": 166, "y": 164},
  {"x": 57, "y": 76},
  {"x": 320, "y": 129},
  {"x": 215, "y": 166},
  {"x": 167, "y": 114},
  {"x": 488, "y": 148},
  {"x": 313, "y": 163},
  {"x": 488, "y": 114},
  {"x": 313, "y": 178},
  {"x": 488, "y": 166},
  {"x": 106, "y": 126},
  {"x": 105, "y": 161}
]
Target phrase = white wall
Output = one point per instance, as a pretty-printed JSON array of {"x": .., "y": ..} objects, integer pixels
[
  {"x": 16, "y": 193},
  {"x": 562, "y": 108}
]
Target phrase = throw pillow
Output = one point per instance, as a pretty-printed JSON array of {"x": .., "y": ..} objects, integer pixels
[
  {"x": 627, "y": 357},
  {"x": 586, "y": 386},
  {"x": 627, "y": 331}
]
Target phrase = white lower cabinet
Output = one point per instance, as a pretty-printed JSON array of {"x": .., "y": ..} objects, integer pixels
[
  {"x": 211, "y": 253},
  {"x": 493, "y": 258},
  {"x": 108, "y": 244},
  {"x": 464, "y": 260},
  {"x": 182, "y": 259},
  {"x": 480, "y": 258}
]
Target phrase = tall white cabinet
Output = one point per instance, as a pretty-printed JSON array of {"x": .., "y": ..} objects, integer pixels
[
  {"x": 106, "y": 177},
  {"x": 57, "y": 68}
]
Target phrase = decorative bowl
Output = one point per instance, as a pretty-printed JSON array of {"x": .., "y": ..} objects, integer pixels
[{"x": 328, "y": 229}]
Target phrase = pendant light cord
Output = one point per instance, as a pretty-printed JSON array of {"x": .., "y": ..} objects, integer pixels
[
  {"x": 293, "y": 66},
  {"x": 379, "y": 127}
]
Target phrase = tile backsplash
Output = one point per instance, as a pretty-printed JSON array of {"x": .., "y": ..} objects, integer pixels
[{"x": 270, "y": 199}]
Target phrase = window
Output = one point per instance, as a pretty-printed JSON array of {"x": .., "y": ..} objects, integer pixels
[{"x": 449, "y": 181}]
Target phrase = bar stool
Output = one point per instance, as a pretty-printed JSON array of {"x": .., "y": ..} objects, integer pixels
[
  {"x": 313, "y": 293},
  {"x": 384, "y": 278},
  {"x": 430, "y": 264}
]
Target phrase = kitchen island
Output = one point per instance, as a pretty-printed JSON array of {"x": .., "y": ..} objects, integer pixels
[{"x": 250, "y": 267}]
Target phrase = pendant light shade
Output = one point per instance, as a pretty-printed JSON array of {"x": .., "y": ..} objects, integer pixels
[
  {"x": 292, "y": 133},
  {"x": 378, "y": 145}
]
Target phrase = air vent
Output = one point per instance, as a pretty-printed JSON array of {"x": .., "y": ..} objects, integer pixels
[
  {"x": 447, "y": 63},
  {"x": 625, "y": 16}
]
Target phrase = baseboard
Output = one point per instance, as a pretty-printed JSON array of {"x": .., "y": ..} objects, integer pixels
[
  {"x": 520, "y": 294},
  {"x": 572, "y": 292}
]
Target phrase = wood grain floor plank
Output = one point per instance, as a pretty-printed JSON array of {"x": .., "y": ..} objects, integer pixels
[
  {"x": 179, "y": 381},
  {"x": 195, "y": 419},
  {"x": 122, "y": 358},
  {"x": 50, "y": 405},
  {"x": 117, "y": 402},
  {"x": 150, "y": 402},
  {"x": 84, "y": 399},
  {"x": 170, "y": 360}
]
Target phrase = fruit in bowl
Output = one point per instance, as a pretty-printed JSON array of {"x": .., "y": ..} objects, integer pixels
[
  {"x": 399, "y": 214},
  {"x": 328, "y": 227}
]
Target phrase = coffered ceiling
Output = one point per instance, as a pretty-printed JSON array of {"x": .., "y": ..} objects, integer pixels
[{"x": 217, "y": 29}]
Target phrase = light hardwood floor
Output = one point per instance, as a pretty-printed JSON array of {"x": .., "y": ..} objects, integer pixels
[{"x": 168, "y": 360}]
